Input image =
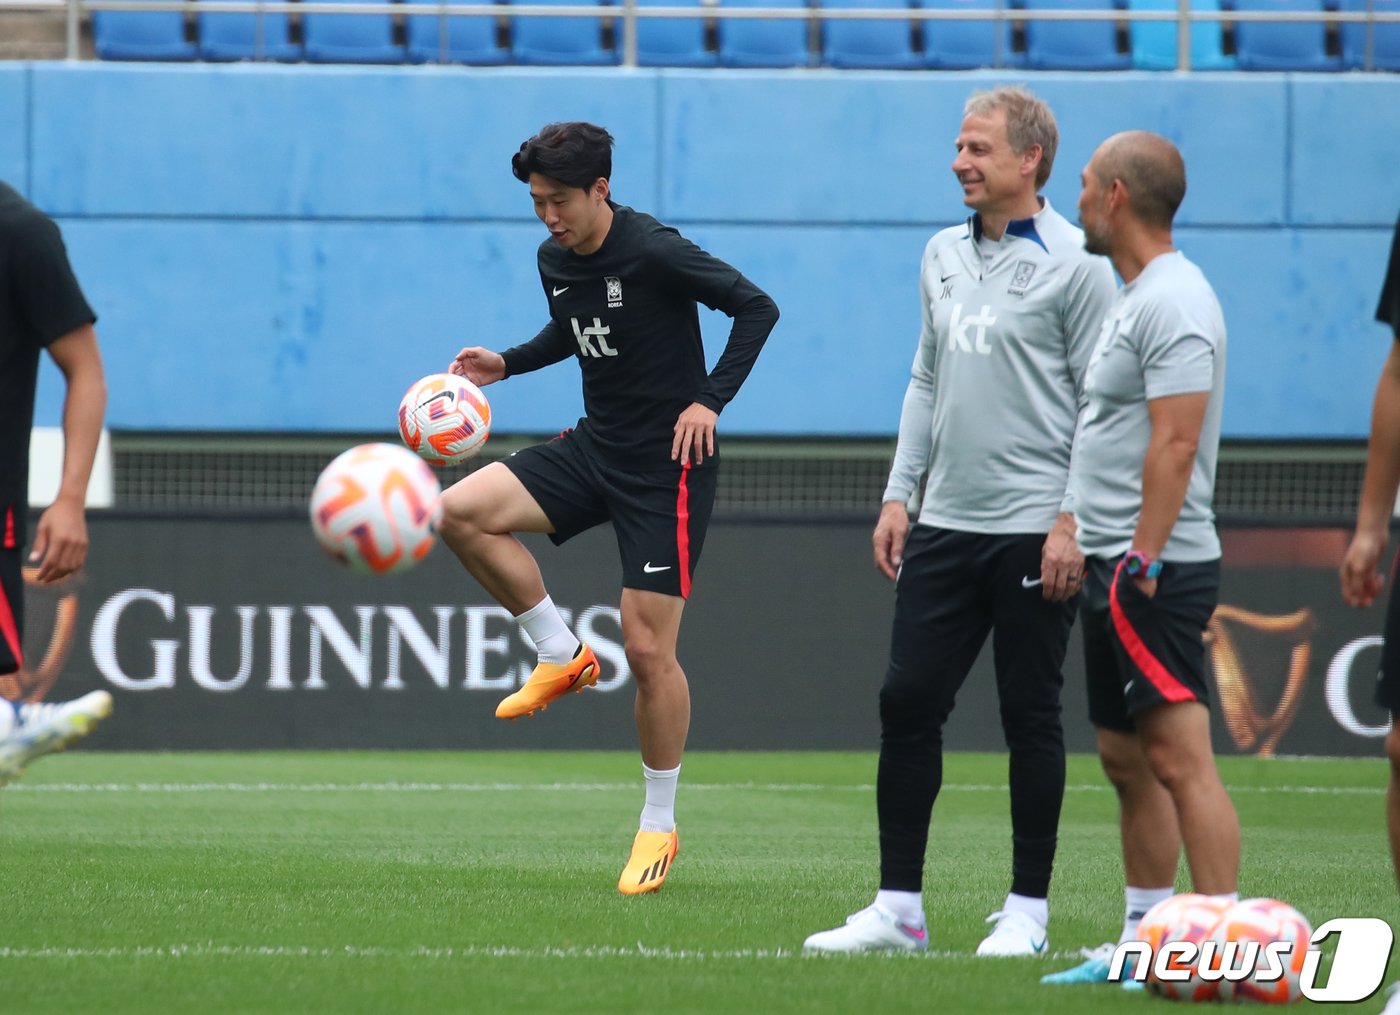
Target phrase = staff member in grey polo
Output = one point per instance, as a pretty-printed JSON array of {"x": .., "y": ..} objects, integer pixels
[{"x": 1144, "y": 482}]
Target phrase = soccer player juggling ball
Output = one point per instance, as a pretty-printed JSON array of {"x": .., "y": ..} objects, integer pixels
[{"x": 622, "y": 291}]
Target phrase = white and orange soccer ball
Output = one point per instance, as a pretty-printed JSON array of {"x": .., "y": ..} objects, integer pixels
[
  {"x": 376, "y": 508},
  {"x": 1265, "y": 922},
  {"x": 1193, "y": 918},
  {"x": 445, "y": 419},
  {"x": 1155, "y": 923}
]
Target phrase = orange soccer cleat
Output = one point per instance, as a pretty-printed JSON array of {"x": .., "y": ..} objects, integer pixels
[
  {"x": 652, "y": 854},
  {"x": 551, "y": 681}
]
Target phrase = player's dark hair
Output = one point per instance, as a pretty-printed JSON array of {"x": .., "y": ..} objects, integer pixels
[{"x": 576, "y": 154}]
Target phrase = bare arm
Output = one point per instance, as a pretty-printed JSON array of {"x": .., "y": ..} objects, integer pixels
[
  {"x": 1166, "y": 469},
  {"x": 61, "y": 540},
  {"x": 1360, "y": 571}
]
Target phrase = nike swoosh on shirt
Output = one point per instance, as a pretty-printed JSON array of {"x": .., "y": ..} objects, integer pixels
[
  {"x": 562, "y": 289},
  {"x": 1029, "y": 583},
  {"x": 649, "y": 569}
]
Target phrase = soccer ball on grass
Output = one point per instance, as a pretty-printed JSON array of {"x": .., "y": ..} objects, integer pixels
[
  {"x": 1264, "y": 921},
  {"x": 1192, "y": 919}
]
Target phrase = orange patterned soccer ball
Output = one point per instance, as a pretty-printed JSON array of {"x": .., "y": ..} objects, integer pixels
[
  {"x": 376, "y": 508},
  {"x": 445, "y": 419},
  {"x": 1191, "y": 920},
  {"x": 1158, "y": 920},
  {"x": 1264, "y": 921}
]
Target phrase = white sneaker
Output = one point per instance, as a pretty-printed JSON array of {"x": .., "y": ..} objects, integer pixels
[
  {"x": 873, "y": 929},
  {"x": 1392, "y": 1007},
  {"x": 45, "y": 728},
  {"x": 1015, "y": 933}
]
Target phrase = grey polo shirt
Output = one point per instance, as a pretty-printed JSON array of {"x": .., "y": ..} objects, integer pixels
[{"x": 1165, "y": 335}]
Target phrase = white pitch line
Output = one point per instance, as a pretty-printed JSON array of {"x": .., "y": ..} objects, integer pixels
[
  {"x": 578, "y": 787},
  {"x": 639, "y": 950}
]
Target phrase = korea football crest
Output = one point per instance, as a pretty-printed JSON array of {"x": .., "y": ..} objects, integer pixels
[
  {"x": 1021, "y": 278},
  {"x": 614, "y": 290}
]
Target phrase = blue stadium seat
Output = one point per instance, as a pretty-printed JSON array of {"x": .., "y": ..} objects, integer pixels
[
  {"x": 1153, "y": 43},
  {"x": 672, "y": 42},
  {"x": 1282, "y": 45},
  {"x": 1073, "y": 45},
  {"x": 350, "y": 38},
  {"x": 552, "y": 39},
  {"x": 761, "y": 42},
  {"x": 873, "y": 43},
  {"x": 965, "y": 44},
  {"x": 1386, "y": 43},
  {"x": 241, "y": 37},
  {"x": 136, "y": 35},
  {"x": 441, "y": 38}
]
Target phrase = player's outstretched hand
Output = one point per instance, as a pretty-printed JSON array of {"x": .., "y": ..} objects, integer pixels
[
  {"x": 1361, "y": 579},
  {"x": 478, "y": 365},
  {"x": 695, "y": 434},
  {"x": 60, "y": 542},
  {"x": 890, "y": 533}
]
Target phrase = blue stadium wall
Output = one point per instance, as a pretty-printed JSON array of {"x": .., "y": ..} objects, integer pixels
[{"x": 277, "y": 248}]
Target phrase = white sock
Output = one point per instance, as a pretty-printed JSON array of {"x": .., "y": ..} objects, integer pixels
[
  {"x": 544, "y": 626},
  {"x": 907, "y": 907},
  {"x": 659, "y": 813},
  {"x": 1136, "y": 902},
  {"x": 1230, "y": 897},
  {"x": 1039, "y": 909},
  {"x": 9, "y": 718}
]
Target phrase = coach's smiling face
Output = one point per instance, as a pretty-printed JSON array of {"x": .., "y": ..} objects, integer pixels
[{"x": 994, "y": 178}]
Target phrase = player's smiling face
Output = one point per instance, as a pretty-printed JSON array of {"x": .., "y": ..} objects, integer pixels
[
  {"x": 576, "y": 218},
  {"x": 993, "y": 176}
]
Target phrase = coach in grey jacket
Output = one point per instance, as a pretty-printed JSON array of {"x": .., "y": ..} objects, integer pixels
[{"x": 1011, "y": 306}]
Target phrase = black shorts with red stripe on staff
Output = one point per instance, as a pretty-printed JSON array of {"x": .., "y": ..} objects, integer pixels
[
  {"x": 660, "y": 516},
  {"x": 1140, "y": 652}
]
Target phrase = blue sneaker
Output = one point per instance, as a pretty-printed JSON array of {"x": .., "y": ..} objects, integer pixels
[{"x": 1094, "y": 968}]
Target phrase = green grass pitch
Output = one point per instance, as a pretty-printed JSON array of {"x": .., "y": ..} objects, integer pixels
[{"x": 475, "y": 882}]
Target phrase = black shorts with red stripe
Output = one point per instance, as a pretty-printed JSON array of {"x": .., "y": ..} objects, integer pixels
[
  {"x": 660, "y": 516},
  {"x": 11, "y": 593},
  {"x": 1142, "y": 652}
]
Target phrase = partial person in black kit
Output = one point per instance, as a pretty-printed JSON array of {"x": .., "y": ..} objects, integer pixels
[
  {"x": 1361, "y": 579},
  {"x": 42, "y": 309}
]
